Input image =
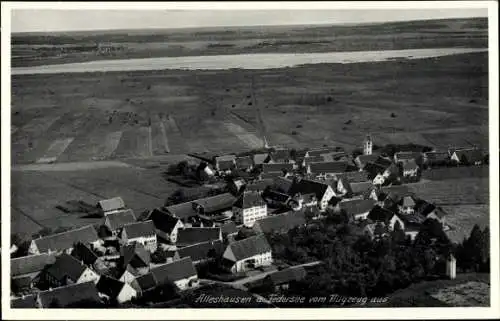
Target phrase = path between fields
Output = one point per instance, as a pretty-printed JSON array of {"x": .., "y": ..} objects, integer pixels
[{"x": 73, "y": 166}]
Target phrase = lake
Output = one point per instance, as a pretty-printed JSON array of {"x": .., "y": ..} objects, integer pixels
[{"x": 242, "y": 61}]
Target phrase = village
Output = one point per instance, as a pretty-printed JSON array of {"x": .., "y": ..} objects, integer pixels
[{"x": 225, "y": 238}]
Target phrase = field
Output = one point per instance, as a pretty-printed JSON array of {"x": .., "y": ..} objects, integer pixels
[
  {"x": 90, "y": 124},
  {"x": 466, "y": 290}
]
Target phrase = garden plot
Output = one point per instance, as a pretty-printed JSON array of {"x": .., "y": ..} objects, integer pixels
[
  {"x": 469, "y": 294},
  {"x": 135, "y": 142},
  {"x": 159, "y": 134},
  {"x": 462, "y": 219},
  {"x": 55, "y": 149},
  {"x": 249, "y": 139}
]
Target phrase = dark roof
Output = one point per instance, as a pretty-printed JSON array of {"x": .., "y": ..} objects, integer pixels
[
  {"x": 276, "y": 196},
  {"x": 374, "y": 169},
  {"x": 410, "y": 165},
  {"x": 174, "y": 271},
  {"x": 249, "y": 247},
  {"x": 139, "y": 229},
  {"x": 408, "y": 201},
  {"x": 229, "y": 228},
  {"x": 437, "y": 156},
  {"x": 259, "y": 185},
  {"x": 277, "y": 167},
  {"x": 146, "y": 281},
  {"x": 244, "y": 162},
  {"x": 66, "y": 240},
  {"x": 407, "y": 155},
  {"x": 382, "y": 161},
  {"x": 26, "y": 302},
  {"x": 68, "y": 295},
  {"x": 294, "y": 273},
  {"x": 358, "y": 188},
  {"x": 182, "y": 210},
  {"x": 201, "y": 251},
  {"x": 345, "y": 183},
  {"x": 362, "y": 160},
  {"x": 111, "y": 204},
  {"x": 305, "y": 186},
  {"x": 470, "y": 155},
  {"x": 356, "y": 177},
  {"x": 424, "y": 208},
  {"x": 163, "y": 221},
  {"x": 282, "y": 184},
  {"x": 135, "y": 254},
  {"x": 85, "y": 253},
  {"x": 109, "y": 286},
  {"x": 380, "y": 214},
  {"x": 193, "y": 235},
  {"x": 271, "y": 175},
  {"x": 230, "y": 157},
  {"x": 313, "y": 159},
  {"x": 249, "y": 199},
  {"x": 66, "y": 265},
  {"x": 280, "y": 222},
  {"x": 320, "y": 151},
  {"x": 119, "y": 219},
  {"x": 225, "y": 165},
  {"x": 216, "y": 203},
  {"x": 357, "y": 206},
  {"x": 412, "y": 220},
  {"x": 280, "y": 154},
  {"x": 328, "y": 167},
  {"x": 30, "y": 264}
]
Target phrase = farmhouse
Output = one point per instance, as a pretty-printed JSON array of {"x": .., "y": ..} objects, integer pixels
[
  {"x": 259, "y": 159},
  {"x": 134, "y": 260},
  {"x": 244, "y": 163},
  {"x": 322, "y": 191},
  {"x": 116, "y": 220},
  {"x": 407, "y": 205},
  {"x": 248, "y": 208},
  {"x": 431, "y": 211},
  {"x": 356, "y": 177},
  {"x": 277, "y": 199},
  {"x": 259, "y": 185},
  {"x": 359, "y": 189},
  {"x": 166, "y": 226},
  {"x": 320, "y": 151},
  {"x": 140, "y": 232},
  {"x": 85, "y": 254},
  {"x": 248, "y": 253},
  {"x": 408, "y": 156},
  {"x": 111, "y": 205},
  {"x": 279, "y": 169},
  {"x": 280, "y": 223},
  {"x": 225, "y": 163},
  {"x": 25, "y": 270},
  {"x": 215, "y": 204},
  {"x": 410, "y": 169},
  {"x": 182, "y": 273},
  {"x": 386, "y": 217},
  {"x": 281, "y": 155},
  {"x": 472, "y": 156},
  {"x": 412, "y": 224},
  {"x": 362, "y": 160},
  {"x": 357, "y": 209},
  {"x": 144, "y": 284},
  {"x": 69, "y": 296},
  {"x": 229, "y": 228},
  {"x": 281, "y": 280},
  {"x": 202, "y": 252},
  {"x": 68, "y": 270},
  {"x": 115, "y": 290},
  {"x": 65, "y": 241},
  {"x": 282, "y": 184},
  {"x": 326, "y": 169},
  {"x": 312, "y": 159},
  {"x": 436, "y": 158},
  {"x": 183, "y": 211},
  {"x": 236, "y": 186},
  {"x": 194, "y": 235}
]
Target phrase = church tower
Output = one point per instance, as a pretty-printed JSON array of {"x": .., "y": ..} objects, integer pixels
[{"x": 367, "y": 145}]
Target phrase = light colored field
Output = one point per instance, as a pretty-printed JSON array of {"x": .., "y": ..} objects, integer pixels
[
  {"x": 55, "y": 149},
  {"x": 249, "y": 139},
  {"x": 108, "y": 145},
  {"x": 462, "y": 219},
  {"x": 159, "y": 140},
  {"x": 467, "y": 294},
  {"x": 76, "y": 166},
  {"x": 460, "y": 191}
]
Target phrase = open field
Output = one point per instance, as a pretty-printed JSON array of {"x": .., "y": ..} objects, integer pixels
[
  {"x": 120, "y": 115},
  {"x": 438, "y": 293},
  {"x": 37, "y": 48},
  {"x": 462, "y": 218}
]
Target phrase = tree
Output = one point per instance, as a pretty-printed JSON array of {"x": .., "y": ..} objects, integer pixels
[{"x": 159, "y": 256}]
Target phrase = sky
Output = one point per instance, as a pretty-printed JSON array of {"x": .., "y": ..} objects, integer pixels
[{"x": 46, "y": 20}]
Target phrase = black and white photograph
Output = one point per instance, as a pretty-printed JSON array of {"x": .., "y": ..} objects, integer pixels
[{"x": 217, "y": 158}]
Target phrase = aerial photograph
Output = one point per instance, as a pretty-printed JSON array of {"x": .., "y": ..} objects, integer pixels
[{"x": 249, "y": 158}]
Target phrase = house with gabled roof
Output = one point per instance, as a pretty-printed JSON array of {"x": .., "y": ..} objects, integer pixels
[
  {"x": 321, "y": 151},
  {"x": 360, "y": 188},
  {"x": 202, "y": 252},
  {"x": 407, "y": 205},
  {"x": 116, "y": 290},
  {"x": 69, "y": 296},
  {"x": 183, "y": 211},
  {"x": 136, "y": 256},
  {"x": 114, "y": 221},
  {"x": 384, "y": 216},
  {"x": 229, "y": 228},
  {"x": 436, "y": 158},
  {"x": 356, "y": 177},
  {"x": 193, "y": 235},
  {"x": 65, "y": 241},
  {"x": 327, "y": 169},
  {"x": 280, "y": 223},
  {"x": 225, "y": 163},
  {"x": 181, "y": 272},
  {"x": 214, "y": 204},
  {"x": 410, "y": 169},
  {"x": 111, "y": 205},
  {"x": 412, "y": 224},
  {"x": 24, "y": 270},
  {"x": 357, "y": 209},
  {"x": 244, "y": 163},
  {"x": 431, "y": 211},
  {"x": 248, "y": 208},
  {"x": 140, "y": 232},
  {"x": 85, "y": 253},
  {"x": 248, "y": 253},
  {"x": 236, "y": 185},
  {"x": 277, "y": 169},
  {"x": 281, "y": 280},
  {"x": 323, "y": 192},
  {"x": 312, "y": 159},
  {"x": 469, "y": 156},
  {"x": 144, "y": 284},
  {"x": 166, "y": 225},
  {"x": 68, "y": 270},
  {"x": 407, "y": 156},
  {"x": 362, "y": 160},
  {"x": 281, "y": 155},
  {"x": 261, "y": 158}
]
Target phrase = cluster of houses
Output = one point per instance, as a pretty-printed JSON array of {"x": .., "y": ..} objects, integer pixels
[{"x": 118, "y": 260}]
